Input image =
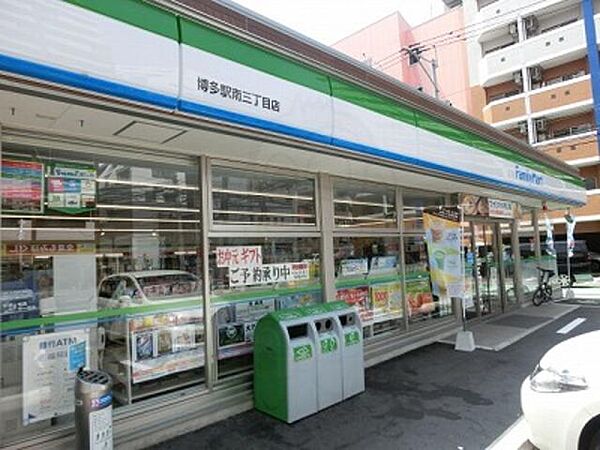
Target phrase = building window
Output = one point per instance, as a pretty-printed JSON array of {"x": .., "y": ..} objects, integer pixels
[
  {"x": 252, "y": 276},
  {"x": 590, "y": 183},
  {"x": 367, "y": 271},
  {"x": 422, "y": 304},
  {"x": 362, "y": 205},
  {"x": 100, "y": 268},
  {"x": 413, "y": 203},
  {"x": 247, "y": 197}
]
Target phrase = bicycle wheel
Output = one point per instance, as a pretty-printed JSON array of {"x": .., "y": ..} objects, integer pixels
[
  {"x": 538, "y": 296},
  {"x": 548, "y": 293}
]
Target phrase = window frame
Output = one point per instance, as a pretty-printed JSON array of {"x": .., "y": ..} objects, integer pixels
[
  {"x": 253, "y": 228},
  {"x": 339, "y": 231}
]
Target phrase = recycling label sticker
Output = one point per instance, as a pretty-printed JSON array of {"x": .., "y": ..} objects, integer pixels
[
  {"x": 352, "y": 338},
  {"x": 302, "y": 352},
  {"x": 329, "y": 345}
]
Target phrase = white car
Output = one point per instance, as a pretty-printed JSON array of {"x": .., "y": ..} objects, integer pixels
[
  {"x": 561, "y": 398},
  {"x": 151, "y": 287}
]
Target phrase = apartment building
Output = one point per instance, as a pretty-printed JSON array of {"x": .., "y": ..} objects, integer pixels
[{"x": 519, "y": 65}]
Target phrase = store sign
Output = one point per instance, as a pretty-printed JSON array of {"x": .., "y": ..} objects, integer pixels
[
  {"x": 211, "y": 84},
  {"x": 244, "y": 256},
  {"x": 71, "y": 187},
  {"x": 380, "y": 264},
  {"x": 22, "y": 186},
  {"x": 268, "y": 274},
  {"x": 501, "y": 208},
  {"x": 213, "y": 87},
  {"x": 349, "y": 267},
  {"x": 528, "y": 176},
  {"x": 443, "y": 236},
  {"x": 47, "y": 249},
  {"x": 474, "y": 205},
  {"x": 50, "y": 363}
]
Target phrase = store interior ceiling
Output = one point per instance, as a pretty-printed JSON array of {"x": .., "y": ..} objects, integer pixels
[{"x": 124, "y": 126}]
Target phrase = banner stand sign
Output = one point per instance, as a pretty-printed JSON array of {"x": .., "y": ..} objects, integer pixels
[
  {"x": 571, "y": 221},
  {"x": 444, "y": 237},
  {"x": 443, "y": 234}
]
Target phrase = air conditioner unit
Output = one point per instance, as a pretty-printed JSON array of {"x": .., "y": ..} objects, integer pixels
[
  {"x": 536, "y": 73},
  {"x": 531, "y": 24},
  {"x": 518, "y": 77},
  {"x": 513, "y": 30},
  {"x": 540, "y": 124},
  {"x": 523, "y": 128}
]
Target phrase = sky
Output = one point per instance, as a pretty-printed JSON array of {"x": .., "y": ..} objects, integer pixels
[{"x": 328, "y": 21}]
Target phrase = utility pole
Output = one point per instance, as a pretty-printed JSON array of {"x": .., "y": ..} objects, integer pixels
[{"x": 415, "y": 56}]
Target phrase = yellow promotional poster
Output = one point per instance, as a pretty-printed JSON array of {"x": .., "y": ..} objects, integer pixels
[
  {"x": 386, "y": 298},
  {"x": 443, "y": 235}
]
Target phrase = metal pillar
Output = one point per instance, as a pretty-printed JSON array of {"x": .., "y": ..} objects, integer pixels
[
  {"x": 587, "y": 7},
  {"x": 327, "y": 223}
]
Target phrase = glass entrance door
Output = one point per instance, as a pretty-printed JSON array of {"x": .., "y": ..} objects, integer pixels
[{"x": 487, "y": 264}]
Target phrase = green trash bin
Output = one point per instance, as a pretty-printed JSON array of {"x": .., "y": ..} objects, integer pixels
[
  {"x": 285, "y": 370},
  {"x": 306, "y": 359}
]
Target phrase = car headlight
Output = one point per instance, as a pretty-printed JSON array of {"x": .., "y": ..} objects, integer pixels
[{"x": 552, "y": 380}]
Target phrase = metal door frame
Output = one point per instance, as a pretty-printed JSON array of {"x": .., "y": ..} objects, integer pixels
[{"x": 494, "y": 224}]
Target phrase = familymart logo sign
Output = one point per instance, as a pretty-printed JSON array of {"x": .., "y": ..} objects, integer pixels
[{"x": 528, "y": 176}]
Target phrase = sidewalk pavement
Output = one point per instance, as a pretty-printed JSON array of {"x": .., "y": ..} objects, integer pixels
[
  {"x": 432, "y": 397},
  {"x": 498, "y": 333}
]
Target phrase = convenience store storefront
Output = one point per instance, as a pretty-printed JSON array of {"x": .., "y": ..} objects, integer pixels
[{"x": 159, "y": 197}]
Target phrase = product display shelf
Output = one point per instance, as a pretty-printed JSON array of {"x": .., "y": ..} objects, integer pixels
[{"x": 119, "y": 361}]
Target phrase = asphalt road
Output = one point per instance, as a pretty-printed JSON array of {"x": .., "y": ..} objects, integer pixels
[{"x": 431, "y": 398}]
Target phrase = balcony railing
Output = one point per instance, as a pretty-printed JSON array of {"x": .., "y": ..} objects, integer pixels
[
  {"x": 504, "y": 95},
  {"x": 484, "y": 3},
  {"x": 564, "y": 132},
  {"x": 498, "y": 47}
]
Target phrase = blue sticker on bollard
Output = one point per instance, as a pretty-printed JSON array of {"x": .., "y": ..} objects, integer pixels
[
  {"x": 76, "y": 356},
  {"x": 102, "y": 402}
]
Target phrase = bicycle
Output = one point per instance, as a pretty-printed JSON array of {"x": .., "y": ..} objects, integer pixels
[{"x": 543, "y": 293}]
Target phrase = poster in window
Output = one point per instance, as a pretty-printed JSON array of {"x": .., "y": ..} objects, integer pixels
[
  {"x": 71, "y": 187},
  {"x": 50, "y": 363},
  {"x": 386, "y": 299},
  {"x": 359, "y": 297},
  {"x": 143, "y": 345},
  {"x": 22, "y": 186},
  {"x": 419, "y": 298}
]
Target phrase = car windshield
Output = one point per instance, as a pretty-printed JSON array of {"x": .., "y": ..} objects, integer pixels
[{"x": 156, "y": 287}]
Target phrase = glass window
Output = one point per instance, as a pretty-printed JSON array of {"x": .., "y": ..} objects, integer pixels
[
  {"x": 251, "y": 277},
  {"x": 413, "y": 204},
  {"x": 244, "y": 197},
  {"x": 364, "y": 205},
  {"x": 100, "y": 268},
  {"x": 590, "y": 183},
  {"x": 367, "y": 275}
]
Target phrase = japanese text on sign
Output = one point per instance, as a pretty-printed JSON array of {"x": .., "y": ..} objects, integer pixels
[
  {"x": 246, "y": 256},
  {"x": 239, "y": 95},
  {"x": 268, "y": 273}
]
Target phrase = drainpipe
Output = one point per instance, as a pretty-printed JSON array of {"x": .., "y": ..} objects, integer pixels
[{"x": 587, "y": 7}]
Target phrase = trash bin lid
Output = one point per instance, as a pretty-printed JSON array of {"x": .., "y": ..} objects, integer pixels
[{"x": 94, "y": 377}]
